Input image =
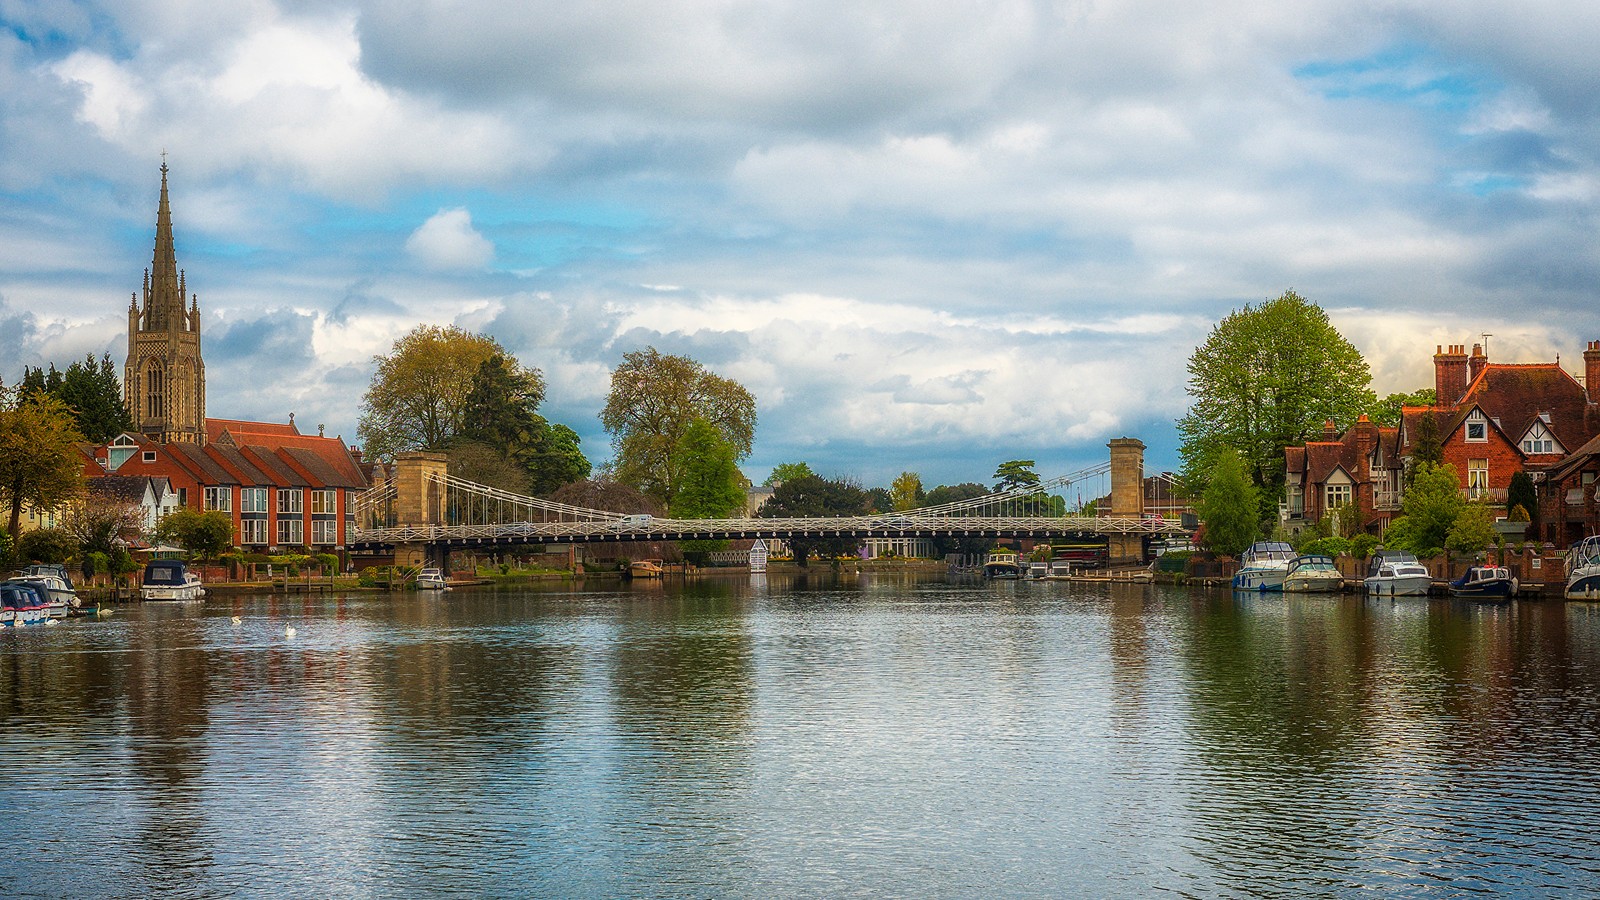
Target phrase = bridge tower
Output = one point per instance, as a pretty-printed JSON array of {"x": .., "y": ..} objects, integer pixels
[
  {"x": 1127, "y": 498},
  {"x": 419, "y": 502}
]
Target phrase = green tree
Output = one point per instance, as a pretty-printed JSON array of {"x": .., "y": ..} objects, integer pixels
[
  {"x": 553, "y": 458},
  {"x": 91, "y": 390},
  {"x": 418, "y": 396},
  {"x": 1268, "y": 377},
  {"x": 500, "y": 414},
  {"x": 1521, "y": 492},
  {"x": 1427, "y": 447},
  {"x": 955, "y": 493},
  {"x": 205, "y": 534},
  {"x": 788, "y": 472},
  {"x": 906, "y": 492},
  {"x": 1429, "y": 510},
  {"x": 1473, "y": 528},
  {"x": 40, "y": 463},
  {"x": 1387, "y": 413},
  {"x": 47, "y": 545},
  {"x": 811, "y": 497},
  {"x": 653, "y": 399},
  {"x": 1229, "y": 507},
  {"x": 477, "y": 461},
  {"x": 710, "y": 487},
  {"x": 1014, "y": 474}
]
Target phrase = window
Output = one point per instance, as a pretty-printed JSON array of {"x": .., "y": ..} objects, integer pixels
[
  {"x": 1477, "y": 477},
  {"x": 1338, "y": 495},
  {"x": 324, "y": 531},
  {"x": 153, "y": 405},
  {"x": 253, "y": 500},
  {"x": 290, "y": 532},
  {"x": 1539, "y": 440},
  {"x": 149, "y": 456},
  {"x": 253, "y": 531},
  {"x": 324, "y": 502},
  {"x": 1477, "y": 432},
  {"x": 289, "y": 500},
  {"x": 219, "y": 498}
]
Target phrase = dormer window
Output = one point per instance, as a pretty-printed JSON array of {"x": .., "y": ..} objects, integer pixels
[{"x": 1539, "y": 440}]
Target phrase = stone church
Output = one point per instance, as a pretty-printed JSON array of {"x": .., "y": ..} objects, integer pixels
[{"x": 164, "y": 384}]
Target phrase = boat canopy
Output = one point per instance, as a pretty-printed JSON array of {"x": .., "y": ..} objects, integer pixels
[{"x": 164, "y": 571}]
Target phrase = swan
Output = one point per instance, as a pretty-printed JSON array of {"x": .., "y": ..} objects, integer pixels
[
  {"x": 288, "y": 631},
  {"x": 237, "y": 620}
]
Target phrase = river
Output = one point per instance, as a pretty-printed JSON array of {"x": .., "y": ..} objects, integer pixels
[{"x": 784, "y": 736}]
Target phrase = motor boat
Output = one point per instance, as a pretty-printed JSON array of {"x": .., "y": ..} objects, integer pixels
[
  {"x": 1494, "y": 583},
  {"x": 1312, "y": 574},
  {"x": 646, "y": 568},
  {"x": 432, "y": 580},
  {"x": 57, "y": 583},
  {"x": 22, "y": 603},
  {"x": 1396, "y": 573},
  {"x": 1002, "y": 565},
  {"x": 1263, "y": 566},
  {"x": 170, "y": 579},
  {"x": 1583, "y": 570}
]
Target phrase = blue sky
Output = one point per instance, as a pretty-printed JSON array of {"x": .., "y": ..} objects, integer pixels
[{"x": 926, "y": 236}]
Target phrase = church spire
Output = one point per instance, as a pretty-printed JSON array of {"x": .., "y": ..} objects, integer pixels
[{"x": 164, "y": 304}]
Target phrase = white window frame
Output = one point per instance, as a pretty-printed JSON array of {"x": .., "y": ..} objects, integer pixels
[
  {"x": 291, "y": 533},
  {"x": 1476, "y": 423},
  {"x": 324, "y": 501},
  {"x": 253, "y": 500},
  {"x": 219, "y": 498},
  {"x": 290, "y": 501},
  {"x": 324, "y": 531},
  {"x": 1337, "y": 495},
  {"x": 252, "y": 531},
  {"x": 1477, "y": 477}
]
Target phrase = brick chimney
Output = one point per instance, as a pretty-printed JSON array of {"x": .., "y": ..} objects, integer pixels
[
  {"x": 1330, "y": 431},
  {"x": 1591, "y": 371},
  {"x": 1476, "y": 363},
  {"x": 1450, "y": 374}
]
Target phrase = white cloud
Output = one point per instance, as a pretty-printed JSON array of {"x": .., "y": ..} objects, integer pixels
[{"x": 448, "y": 241}]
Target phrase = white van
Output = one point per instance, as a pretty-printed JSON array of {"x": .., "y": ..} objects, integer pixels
[{"x": 637, "y": 522}]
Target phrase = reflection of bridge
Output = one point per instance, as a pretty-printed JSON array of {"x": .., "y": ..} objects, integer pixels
[{"x": 422, "y": 512}]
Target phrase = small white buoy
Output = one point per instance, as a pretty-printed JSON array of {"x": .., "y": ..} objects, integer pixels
[
  {"x": 288, "y": 631},
  {"x": 237, "y": 620}
]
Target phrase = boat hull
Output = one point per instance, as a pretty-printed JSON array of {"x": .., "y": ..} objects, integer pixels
[
  {"x": 1313, "y": 584},
  {"x": 1399, "y": 586},
  {"x": 1584, "y": 586},
  {"x": 180, "y": 592},
  {"x": 1258, "y": 580}
]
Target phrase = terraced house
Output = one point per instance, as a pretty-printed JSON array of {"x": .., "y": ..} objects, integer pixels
[
  {"x": 284, "y": 489},
  {"x": 1491, "y": 421}
]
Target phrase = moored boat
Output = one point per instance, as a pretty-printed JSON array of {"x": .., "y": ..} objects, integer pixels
[
  {"x": 645, "y": 568},
  {"x": 1583, "y": 570},
  {"x": 1263, "y": 566},
  {"x": 1312, "y": 574},
  {"x": 432, "y": 580},
  {"x": 1393, "y": 573},
  {"x": 1494, "y": 583},
  {"x": 22, "y": 603},
  {"x": 1002, "y": 565},
  {"x": 57, "y": 585},
  {"x": 169, "y": 579}
]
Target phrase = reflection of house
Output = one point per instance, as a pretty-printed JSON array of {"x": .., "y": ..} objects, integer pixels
[{"x": 1491, "y": 421}]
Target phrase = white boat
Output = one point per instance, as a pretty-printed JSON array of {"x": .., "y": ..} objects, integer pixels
[
  {"x": 1397, "y": 575},
  {"x": 1002, "y": 565},
  {"x": 1263, "y": 566},
  {"x": 22, "y": 603},
  {"x": 54, "y": 579},
  {"x": 1312, "y": 574},
  {"x": 169, "y": 579},
  {"x": 432, "y": 580},
  {"x": 1583, "y": 570}
]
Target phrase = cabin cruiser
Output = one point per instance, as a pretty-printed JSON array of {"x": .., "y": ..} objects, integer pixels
[
  {"x": 169, "y": 579},
  {"x": 1312, "y": 574},
  {"x": 1263, "y": 566},
  {"x": 22, "y": 603},
  {"x": 57, "y": 584},
  {"x": 432, "y": 580},
  {"x": 1394, "y": 573},
  {"x": 1583, "y": 569},
  {"x": 646, "y": 568},
  {"x": 1002, "y": 564},
  {"x": 1485, "y": 583}
]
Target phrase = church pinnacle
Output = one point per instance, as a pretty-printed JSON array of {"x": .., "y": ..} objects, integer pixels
[{"x": 164, "y": 384}]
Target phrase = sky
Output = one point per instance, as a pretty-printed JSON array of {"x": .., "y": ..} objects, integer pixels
[{"x": 926, "y": 237}]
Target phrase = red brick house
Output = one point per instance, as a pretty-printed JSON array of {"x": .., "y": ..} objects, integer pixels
[{"x": 1492, "y": 420}]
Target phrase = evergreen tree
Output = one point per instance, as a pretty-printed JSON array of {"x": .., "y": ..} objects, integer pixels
[
  {"x": 94, "y": 393},
  {"x": 1521, "y": 492},
  {"x": 1229, "y": 506}
]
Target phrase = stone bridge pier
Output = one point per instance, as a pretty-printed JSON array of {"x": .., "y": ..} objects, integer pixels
[
  {"x": 1127, "y": 498},
  {"x": 419, "y": 501}
]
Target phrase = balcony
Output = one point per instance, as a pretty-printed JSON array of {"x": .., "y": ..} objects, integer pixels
[
  {"x": 1386, "y": 501},
  {"x": 1492, "y": 495}
]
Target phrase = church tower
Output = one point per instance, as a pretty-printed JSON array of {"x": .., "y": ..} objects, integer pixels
[{"x": 164, "y": 384}]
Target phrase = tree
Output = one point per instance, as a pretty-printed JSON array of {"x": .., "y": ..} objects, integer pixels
[
  {"x": 1429, "y": 510},
  {"x": 477, "y": 461},
  {"x": 1426, "y": 448},
  {"x": 1014, "y": 474},
  {"x": 906, "y": 491},
  {"x": 553, "y": 458},
  {"x": 1473, "y": 529},
  {"x": 653, "y": 399},
  {"x": 813, "y": 497},
  {"x": 788, "y": 472},
  {"x": 91, "y": 390},
  {"x": 1229, "y": 506},
  {"x": 1387, "y": 413},
  {"x": 1521, "y": 492},
  {"x": 418, "y": 396},
  {"x": 40, "y": 463},
  {"x": 955, "y": 493},
  {"x": 205, "y": 534},
  {"x": 98, "y": 522},
  {"x": 46, "y": 545},
  {"x": 711, "y": 485},
  {"x": 1268, "y": 377}
]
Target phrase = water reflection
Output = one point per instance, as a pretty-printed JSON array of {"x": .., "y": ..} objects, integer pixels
[{"x": 805, "y": 735}]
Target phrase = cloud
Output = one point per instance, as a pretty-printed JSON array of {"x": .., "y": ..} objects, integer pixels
[{"x": 447, "y": 241}]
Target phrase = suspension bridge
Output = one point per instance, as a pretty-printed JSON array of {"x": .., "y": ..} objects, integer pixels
[{"x": 423, "y": 512}]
